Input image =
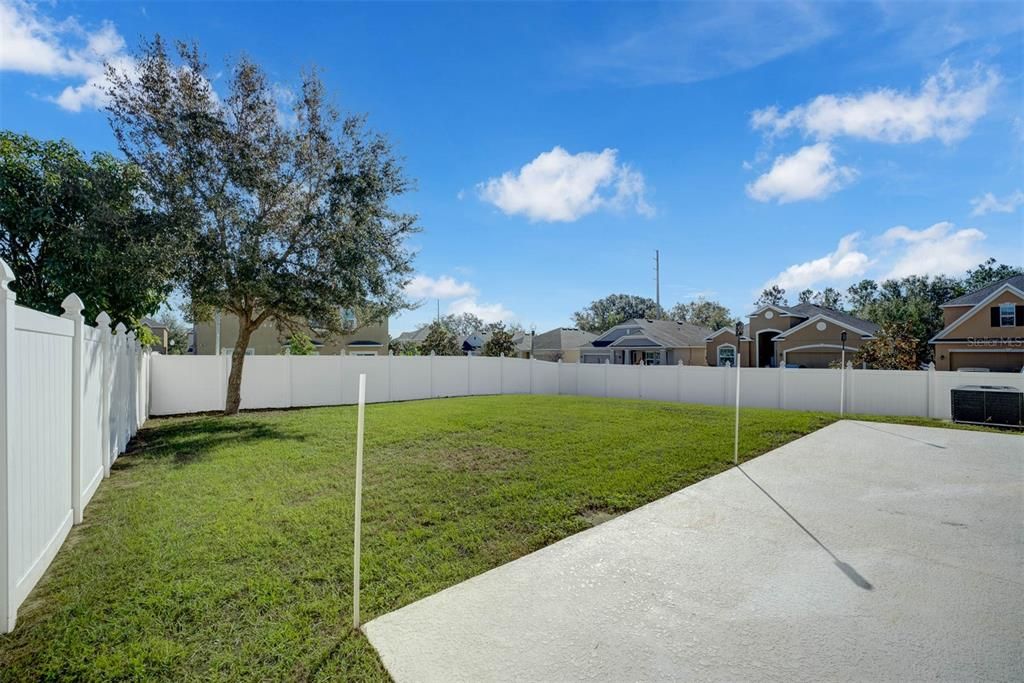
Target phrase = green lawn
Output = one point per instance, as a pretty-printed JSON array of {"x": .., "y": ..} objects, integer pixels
[{"x": 221, "y": 548}]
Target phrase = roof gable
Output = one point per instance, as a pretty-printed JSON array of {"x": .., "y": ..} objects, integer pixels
[
  {"x": 1006, "y": 286},
  {"x": 845, "y": 324},
  {"x": 972, "y": 298}
]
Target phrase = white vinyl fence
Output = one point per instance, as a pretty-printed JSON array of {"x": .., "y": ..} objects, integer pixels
[
  {"x": 188, "y": 384},
  {"x": 71, "y": 396}
]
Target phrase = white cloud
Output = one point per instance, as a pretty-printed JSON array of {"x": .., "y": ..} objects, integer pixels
[
  {"x": 810, "y": 173},
  {"x": 989, "y": 203},
  {"x": 559, "y": 186},
  {"x": 35, "y": 44},
  {"x": 936, "y": 250},
  {"x": 444, "y": 287},
  {"x": 946, "y": 107},
  {"x": 489, "y": 313},
  {"x": 841, "y": 265}
]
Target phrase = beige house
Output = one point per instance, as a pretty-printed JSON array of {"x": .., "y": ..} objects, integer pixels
[
  {"x": 561, "y": 344},
  {"x": 984, "y": 329},
  {"x": 805, "y": 336},
  {"x": 366, "y": 340}
]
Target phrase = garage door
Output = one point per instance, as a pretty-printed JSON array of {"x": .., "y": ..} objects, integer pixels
[
  {"x": 814, "y": 359},
  {"x": 996, "y": 362}
]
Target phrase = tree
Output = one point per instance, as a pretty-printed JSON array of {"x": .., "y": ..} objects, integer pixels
[
  {"x": 829, "y": 298},
  {"x": 500, "y": 343},
  {"x": 177, "y": 333},
  {"x": 774, "y": 295},
  {"x": 71, "y": 224},
  {"x": 286, "y": 218},
  {"x": 301, "y": 345},
  {"x": 894, "y": 347},
  {"x": 613, "y": 310},
  {"x": 462, "y": 323},
  {"x": 988, "y": 273},
  {"x": 703, "y": 312},
  {"x": 440, "y": 341},
  {"x": 806, "y": 296},
  {"x": 861, "y": 296}
]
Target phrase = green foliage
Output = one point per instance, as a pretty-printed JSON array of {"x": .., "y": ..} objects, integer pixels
[
  {"x": 894, "y": 347},
  {"x": 987, "y": 273},
  {"x": 613, "y": 310},
  {"x": 301, "y": 345},
  {"x": 462, "y": 323},
  {"x": 703, "y": 312},
  {"x": 177, "y": 333},
  {"x": 440, "y": 341},
  {"x": 774, "y": 295},
  {"x": 500, "y": 343},
  {"x": 145, "y": 336},
  {"x": 74, "y": 225},
  {"x": 286, "y": 218},
  {"x": 403, "y": 348}
]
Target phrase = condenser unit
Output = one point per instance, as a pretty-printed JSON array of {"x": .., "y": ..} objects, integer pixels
[{"x": 988, "y": 405}]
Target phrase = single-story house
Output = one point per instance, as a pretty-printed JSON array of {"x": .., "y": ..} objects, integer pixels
[
  {"x": 648, "y": 342},
  {"x": 561, "y": 344},
  {"x": 804, "y": 335},
  {"x": 472, "y": 344},
  {"x": 984, "y": 330},
  {"x": 415, "y": 337},
  {"x": 366, "y": 340}
]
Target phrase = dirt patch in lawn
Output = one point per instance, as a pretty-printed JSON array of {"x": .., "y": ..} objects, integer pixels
[
  {"x": 474, "y": 458},
  {"x": 595, "y": 515}
]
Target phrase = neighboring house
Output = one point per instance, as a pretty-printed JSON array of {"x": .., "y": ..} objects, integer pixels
[
  {"x": 648, "y": 342},
  {"x": 415, "y": 337},
  {"x": 984, "y": 329},
  {"x": 368, "y": 340},
  {"x": 159, "y": 331},
  {"x": 561, "y": 343},
  {"x": 472, "y": 344},
  {"x": 804, "y": 335}
]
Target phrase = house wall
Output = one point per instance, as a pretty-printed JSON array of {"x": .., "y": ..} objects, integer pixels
[
  {"x": 268, "y": 341},
  {"x": 828, "y": 341},
  {"x": 711, "y": 349},
  {"x": 688, "y": 355},
  {"x": 951, "y": 314},
  {"x": 975, "y": 343}
]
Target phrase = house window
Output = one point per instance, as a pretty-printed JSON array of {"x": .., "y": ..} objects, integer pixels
[
  {"x": 652, "y": 358},
  {"x": 349, "y": 316},
  {"x": 1007, "y": 315},
  {"x": 726, "y": 355}
]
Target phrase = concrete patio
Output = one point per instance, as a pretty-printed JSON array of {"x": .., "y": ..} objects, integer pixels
[{"x": 864, "y": 551}]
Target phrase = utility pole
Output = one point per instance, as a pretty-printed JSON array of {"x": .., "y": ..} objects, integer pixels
[
  {"x": 438, "y": 310},
  {"x": 657, "y": 281}
]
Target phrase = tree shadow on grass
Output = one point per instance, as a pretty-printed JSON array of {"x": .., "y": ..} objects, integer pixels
[{"x": 187, "y": 441}]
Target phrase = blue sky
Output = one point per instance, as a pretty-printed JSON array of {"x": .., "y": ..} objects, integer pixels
[{"x": 556, "y": 146}]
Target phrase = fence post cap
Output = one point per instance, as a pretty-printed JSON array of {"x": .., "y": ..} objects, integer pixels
[
  {"x": 103, "y": 320},
  {"x": 6, "y": 275},
  {"x": 72, "y": 306},
  {"x": 120, "y": 328},
  {"x": 931, "y": 365}
]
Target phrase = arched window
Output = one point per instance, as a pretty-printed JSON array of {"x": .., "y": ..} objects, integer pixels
[{"x": 726, "y": 355}]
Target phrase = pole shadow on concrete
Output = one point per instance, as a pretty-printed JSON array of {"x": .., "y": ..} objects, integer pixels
[
  {"x": 851, "y": 573},
  {"x": 902, "y": 436}
]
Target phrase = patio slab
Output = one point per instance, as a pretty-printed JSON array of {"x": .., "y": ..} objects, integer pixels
[{"x": 864, "y": 551}]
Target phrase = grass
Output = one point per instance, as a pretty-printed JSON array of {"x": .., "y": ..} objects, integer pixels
[{"x": 221, "y": 548}]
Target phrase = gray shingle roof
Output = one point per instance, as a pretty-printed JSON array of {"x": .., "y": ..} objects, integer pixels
[
  {"x": 811, "y": 310},
  {"x": 670, "y": 334},
  {"x": 562, "y": 339},
  {"x": 415, "y": 337},
  {"x": 978, "y": 295}
]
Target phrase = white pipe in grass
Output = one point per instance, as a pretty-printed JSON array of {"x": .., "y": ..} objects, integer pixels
[
  {"x": 736, "y": 431},
  {"x": 359, "y": 501}
]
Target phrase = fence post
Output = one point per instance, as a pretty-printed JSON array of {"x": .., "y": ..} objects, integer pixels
[
  {"x": 132, "y": 402},
  {"x": 73, "y": 306},
  {"x": 679, "y": 382},
  {"x": 8, "y": 610},
  {"x": 391, "y": 357},
  {"x": 469, "y": 376},
  {"x": 103, "y": 323},
  {"x": 531, "y": 375},
  {"x": 932, "y": 380},
  {"x": 431, "y": 374},
  {"x": 558, "y": 369},
  {"x": 117, "y": 400},
  {"x": 850, "y": 387},
  {"x": 288, "y": 373},
  {"x": 782, "y": 386},
  {"x": 725, "y": 385},
  {"x": 606, "y": 363}
]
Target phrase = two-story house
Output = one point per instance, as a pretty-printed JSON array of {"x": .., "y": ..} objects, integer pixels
[
  {"x": 984, "y": 329},
  {"x": 804, "y": 335}
]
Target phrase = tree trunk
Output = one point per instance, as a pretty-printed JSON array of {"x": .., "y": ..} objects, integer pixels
[{"x": 234, "y": 397}]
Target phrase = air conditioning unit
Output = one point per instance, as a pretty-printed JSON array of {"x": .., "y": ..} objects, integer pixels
[{"x": 988, "y": 405}]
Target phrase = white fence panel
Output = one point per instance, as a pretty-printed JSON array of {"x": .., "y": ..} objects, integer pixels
[
  {"x": 705, "y": 385},
  {"x": 449, "y": 375},
  {"x": 759, "y": 387},
  {"x": 623, "y": 381},
  {"x": 315, "y": 380},
  {"x": 40, "y": 471},
  {"x": 410, "y": 378},
  {"x": 378, "y": 383},
  {"x": 515, "y": 376},
  {"x": 187, "y": 384},
  {"x": 592, "y": 379},
  {"x": 659, "y": 383},
  {"x": 568, "y": 378},
  {"x": 887, "y": 392},
  {"x": 484, "y": 375},
  {"x": 265, "y": 381},
  {"x": 58, "y": 430},
  {"x": 544, "y": 377},
  {"x": 812, "y": 389}
]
